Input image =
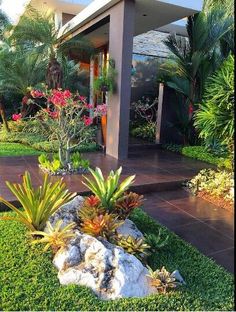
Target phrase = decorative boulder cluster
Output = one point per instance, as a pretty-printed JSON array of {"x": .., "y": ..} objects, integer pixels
[{"x": 94, "y": 262}]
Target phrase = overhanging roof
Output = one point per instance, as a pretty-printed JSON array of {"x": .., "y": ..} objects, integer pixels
[{"x": 149, "y": 15}]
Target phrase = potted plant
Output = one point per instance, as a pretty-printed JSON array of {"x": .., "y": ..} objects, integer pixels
[{"x": 106, "y": 81}]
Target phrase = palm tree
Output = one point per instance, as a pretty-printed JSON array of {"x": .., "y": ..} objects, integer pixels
[
  {"x": 195, "y": 58},
  {"x": 4, "y": 24},
  {"x": 37, "y": 33}
]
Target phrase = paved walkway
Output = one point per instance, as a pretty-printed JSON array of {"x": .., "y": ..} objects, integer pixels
[
  {"x": 158, "y": 172},
  {"x": 207, "y": 227},
  {"x": 155, "y": 170}
]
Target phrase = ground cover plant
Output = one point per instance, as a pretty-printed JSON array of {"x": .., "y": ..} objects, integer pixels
[
  {"x": 216, "y": 186},
  {"x": 16, "y": 149},
  {"x": 28, "y": 280}
]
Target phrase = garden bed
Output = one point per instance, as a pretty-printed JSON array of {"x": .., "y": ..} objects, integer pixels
[
  {"x": 217, "y": 200},
  {"x": 28, "y": 280}
]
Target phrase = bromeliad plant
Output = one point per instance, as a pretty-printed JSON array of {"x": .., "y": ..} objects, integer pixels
[
  {"x": 108, "y": 190},
  {"x": 127, "y": 203},
  {"x": 56, "y": 236},
  {"x": 137, "y": 247},
  {"x": 101, "y": 225},
  {"x": 38, "y": 203},
  {"x": 162, "y": 280}
]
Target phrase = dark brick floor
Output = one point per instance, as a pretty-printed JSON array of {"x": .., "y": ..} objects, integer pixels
[
  {"x": 207, "y": 227},
  {"x": 202, "y": 224}
]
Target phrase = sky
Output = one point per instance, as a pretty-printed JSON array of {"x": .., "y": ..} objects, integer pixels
[{"x": 13, "y": 8}]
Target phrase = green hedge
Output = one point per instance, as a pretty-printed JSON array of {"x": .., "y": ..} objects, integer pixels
[
  {"x": 38, "y": 142},
  {"x": 200, "y": 153},
  {"x": 28, "y": 280},
  {"x": 16, "y": 149}
]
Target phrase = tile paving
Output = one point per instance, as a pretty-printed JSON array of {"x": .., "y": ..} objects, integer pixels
[{"x": 159, "y": 174}]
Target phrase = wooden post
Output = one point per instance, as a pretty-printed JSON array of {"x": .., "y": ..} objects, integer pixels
[{"x": 159, "y": 113}]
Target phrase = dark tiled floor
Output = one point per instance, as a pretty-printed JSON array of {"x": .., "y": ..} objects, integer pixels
[
  {"x": 202, "y": 224},
  {"x": 154, "y": 169},
  {"x": 207, "y": 227}
]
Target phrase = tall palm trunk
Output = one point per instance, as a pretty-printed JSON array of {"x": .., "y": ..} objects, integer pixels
[
  {"x": 3, "y": 114},
  {"x": 54, "y": 74}
]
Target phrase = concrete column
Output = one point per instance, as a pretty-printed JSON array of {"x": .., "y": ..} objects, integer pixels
[{"x": 120, "y": 50}]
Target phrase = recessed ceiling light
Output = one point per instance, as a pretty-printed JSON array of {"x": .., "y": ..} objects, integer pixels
[{"x": 144, "y": 14}]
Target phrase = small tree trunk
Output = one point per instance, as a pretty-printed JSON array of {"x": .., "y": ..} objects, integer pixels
[
  {"x": 68, "y": 152},
  {"x": 61, "y": 158},
  {"x": 3, "y": 115}
]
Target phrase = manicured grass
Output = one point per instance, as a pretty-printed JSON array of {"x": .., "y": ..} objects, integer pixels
[
  {"x": 28, "y": 280},
  {"x": 16, "y": 149}
]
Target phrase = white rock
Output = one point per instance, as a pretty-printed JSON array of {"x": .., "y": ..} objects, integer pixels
[
  {"x": 129, "y": 228},
  {"x": 67, "y": 212},
  {"x": 178, "y": 277},
  {"x": 105, "y": 268}
]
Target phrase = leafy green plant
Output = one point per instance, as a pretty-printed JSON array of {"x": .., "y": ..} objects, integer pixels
[
  {"x": 215, "y": 117},
  {"x": 217, "y": 183},
  {"x": 162, "y": 280},
  {"x": 126, "y": 204},
  {"x": 38, "y": 203},
  {"x": 76, "y": 160},
  {"x": 52, "y": 165},
  {"x": 137, "y": 247},
  {"x": 177, "y": 148},
  {"x": 108, "y": 190},
  {"x": 157, "y": 242},
  {"x": 56, "y": 236},
  {"x": 145, "y": 131},
  {"x": 102, "y": 225},
  {"x": 106, "y": 82},
  {"x": 204, "y": 154}
]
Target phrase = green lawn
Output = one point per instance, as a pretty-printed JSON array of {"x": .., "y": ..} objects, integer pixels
[
  {"x": 28, "y": 280},
  {"x": 16, "y": 149}
]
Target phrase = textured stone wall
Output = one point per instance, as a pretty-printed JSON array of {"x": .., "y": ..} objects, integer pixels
[{"x": 151, "y": 43}]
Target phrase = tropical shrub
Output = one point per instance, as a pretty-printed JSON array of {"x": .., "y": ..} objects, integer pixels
[
  {"x": 162, "y": 280},
  {"x": 38, "y": 203},
  {"x": 126, "y": 204},
  {"x": 56, "y": 236},
  {"x": 91, "y": 208},
  {"x": 107, "y": 190},
  {"x": 146, "y": 131},
  {"x": 215, "y": 117},
  {"x": 137, "y": 247},
  {"x": 216, "y": 183}
]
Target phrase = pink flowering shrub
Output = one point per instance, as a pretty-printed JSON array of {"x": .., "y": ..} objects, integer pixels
[{"x": 68, "y": 118}]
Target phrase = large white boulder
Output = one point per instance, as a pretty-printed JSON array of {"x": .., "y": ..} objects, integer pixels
[{"x": 109, "y": 271}]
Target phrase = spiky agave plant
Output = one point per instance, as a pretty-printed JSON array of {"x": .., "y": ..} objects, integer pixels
[
  {"x": 108, "y": 190},
  {"x": 162, "y": 280},
  {"x": 56, "y": 236},
  {"x": 38, "y": 203}
]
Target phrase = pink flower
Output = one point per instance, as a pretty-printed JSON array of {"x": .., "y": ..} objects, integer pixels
[
  {"x": 82, "y": 98},
  {"x": 54, "y": 115},
  {"x": 67, "y": 94},
  {"x": 88, "y": 120},
  {"x": 37, "y": 94},
  {"x": 101, "y": 109},
  {"x": 16, "y": 117},
  {"x": 89, "y": 106},
  {"x": 25, "y": 100}
]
